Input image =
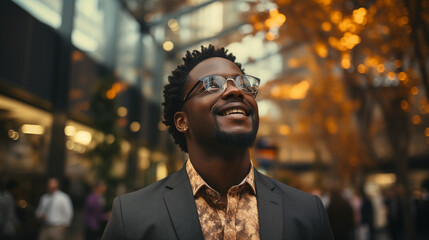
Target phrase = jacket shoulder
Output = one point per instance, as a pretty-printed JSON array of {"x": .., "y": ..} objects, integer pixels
[
  {"x": 284, "y": 189},
  {"x": 143, "y": 214},
  {"x": 156, "y": 189}
]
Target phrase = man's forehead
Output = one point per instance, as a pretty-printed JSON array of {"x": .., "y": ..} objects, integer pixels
[{"x": 214, "y": 65}]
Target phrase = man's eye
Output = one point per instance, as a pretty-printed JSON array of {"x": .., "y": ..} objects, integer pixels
[{"x": 214, "y": 84}]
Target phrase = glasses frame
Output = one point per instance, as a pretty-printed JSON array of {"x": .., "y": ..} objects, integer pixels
[{"x": 200, "y": 80}]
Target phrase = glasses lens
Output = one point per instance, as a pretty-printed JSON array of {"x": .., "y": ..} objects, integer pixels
[
  {"x": 247, "y": 83},
  {"x": 217, "y": 83},
  {"x": 214, "y": 83}
]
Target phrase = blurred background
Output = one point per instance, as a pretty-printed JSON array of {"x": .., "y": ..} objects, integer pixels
[{"x": 343, "y": 103}]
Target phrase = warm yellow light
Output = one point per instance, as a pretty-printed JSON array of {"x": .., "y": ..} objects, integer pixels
[
  {"x": 350, "y": 40},
  {"x": 293, "y": 63},
  {"x": 110, "y": 139},
  {"x": 161, "y": 171},
  {"x": 398, "y": 63},
  {"x": 331, "y": 126},
  {"x": 275, "y": 20},
  {"x": 173, "y": 25},
  {"x": 404, "y": 105},
  {"x": 336, "y": 16},
  {"x": 333, "y": 41},
  {"x": 325, "y": 2},
  {"x": 385, "y": 178},
  {"x": 22, "y": 203},
  {"x": 322, "y": 50},
  {"x": 258, "y": 26},
  {"x": 116, "y": 87},
  {"x": 380, "y": 68},
  {"x": 361, "y": 68},
  {"x": 276, "y": 91},
  {"x": 416, "y": 119},
  {"x": 32, "y": 129},
  {"x": 77, "y": 55},
  {"x": 70, "y": 145},
  {"x": 359, "y": 15},
  {"x": 83, "y": 137},
  {"x": 402, "y": 76},
  {"x": 122, "y": 111},
  {"x": 168, "y": 46},
  {"x": 270, "y": 36},
  {"x": 345, "y": 61},
  {"x": 403, "y": 21},
  {"x": 345, "y": 24},
  {"x": 110, "y": 94},
  {"x": 284, "y": 130},
  {"x": 371, "y": 61},
  {"x": 14, "y": 135},
  {"x": 135, "y": 126},
  {"x": 427, "y": 132},
  {"x": 326, "y": 26},
  {"x": 414, "y": 90},
  {"x": 391, "y": 76},
  {"x": 143, "y": 156},
  {"x": 69, "y": 131},
  {"x": 299, "y": 90}
]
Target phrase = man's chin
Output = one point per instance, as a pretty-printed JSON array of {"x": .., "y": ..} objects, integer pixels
[{"x": 236, "y": 139}]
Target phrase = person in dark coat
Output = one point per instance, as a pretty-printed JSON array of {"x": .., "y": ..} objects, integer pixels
[{"x": 340, "y": 214}]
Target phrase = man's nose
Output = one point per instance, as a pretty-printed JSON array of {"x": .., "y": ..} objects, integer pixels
[{"x": 232, "y": 89}]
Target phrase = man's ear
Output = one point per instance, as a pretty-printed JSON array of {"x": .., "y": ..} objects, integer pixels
[{"x": 181, "y": 122}]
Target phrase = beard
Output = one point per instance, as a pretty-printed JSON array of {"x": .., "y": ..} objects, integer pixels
[
  {"x": 244, "y": 140},
  {"x": 241, "y": 140}
]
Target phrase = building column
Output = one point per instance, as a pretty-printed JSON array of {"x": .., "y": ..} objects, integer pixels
[{"x": 60, "y": 97}]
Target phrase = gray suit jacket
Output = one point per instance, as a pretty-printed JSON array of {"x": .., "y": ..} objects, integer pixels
[{"x": 166, "y": 210}]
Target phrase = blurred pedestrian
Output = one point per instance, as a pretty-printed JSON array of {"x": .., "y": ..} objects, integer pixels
[
  {"x": 340, "y": 214},
  {"x": 94, "y": 216},
  {"x": 422, "y": 212},
  {"x": 367, "y": 217},
  {"x": 8, "y": 217},
  {"x": 55, "y": 210},
  {"x": 395, "y": 212}
]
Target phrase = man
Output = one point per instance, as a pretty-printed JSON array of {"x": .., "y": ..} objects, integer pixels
[
  {"x": 8, "y": 217},
  {"x": 212, "y": 114},
  {"x": 56, "y": 211},
  {"x": 94, "y": 216}
]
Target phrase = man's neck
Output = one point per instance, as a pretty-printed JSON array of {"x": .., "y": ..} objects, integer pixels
[
  {"x": 221, "y": 171},
  {"x": 52, "y": 193}
]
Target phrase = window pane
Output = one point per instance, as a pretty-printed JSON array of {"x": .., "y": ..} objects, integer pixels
[{"x": 47, "y": 11}]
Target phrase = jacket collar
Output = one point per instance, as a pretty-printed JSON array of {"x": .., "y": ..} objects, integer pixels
[
  {"x": 180, "y": 203},
  {"x": 270, "y": 208}
]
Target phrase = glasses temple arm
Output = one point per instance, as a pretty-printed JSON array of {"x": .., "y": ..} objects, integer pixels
[{"x": 190, "y": 91}]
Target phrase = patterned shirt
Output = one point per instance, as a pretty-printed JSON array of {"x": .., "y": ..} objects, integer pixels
[{"x": 236, "y": 220}]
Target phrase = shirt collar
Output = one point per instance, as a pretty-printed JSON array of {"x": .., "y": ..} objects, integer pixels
[{"x": 197, "y": 181}]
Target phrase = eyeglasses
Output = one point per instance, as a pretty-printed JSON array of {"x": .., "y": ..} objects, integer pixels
[{"x": 217, "y": 84}]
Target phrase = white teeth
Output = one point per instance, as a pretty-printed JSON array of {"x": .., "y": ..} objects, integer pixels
[{"x": 234, "y": 111}]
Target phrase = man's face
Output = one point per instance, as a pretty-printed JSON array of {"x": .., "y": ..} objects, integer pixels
[
  {"x": 52, "y": 185},
  {"x": 230, "y": 117}
]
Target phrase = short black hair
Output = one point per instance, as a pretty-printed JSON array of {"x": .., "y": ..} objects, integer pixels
[{"x": 174, "y": 89}]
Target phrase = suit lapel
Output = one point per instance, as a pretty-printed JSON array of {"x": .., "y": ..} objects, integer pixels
[
  {"x": 181, "y": 206},
  {"x": 270, "y": 209}
]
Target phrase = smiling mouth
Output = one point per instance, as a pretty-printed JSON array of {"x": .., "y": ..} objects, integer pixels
[{"x": 233, "y": 111}]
